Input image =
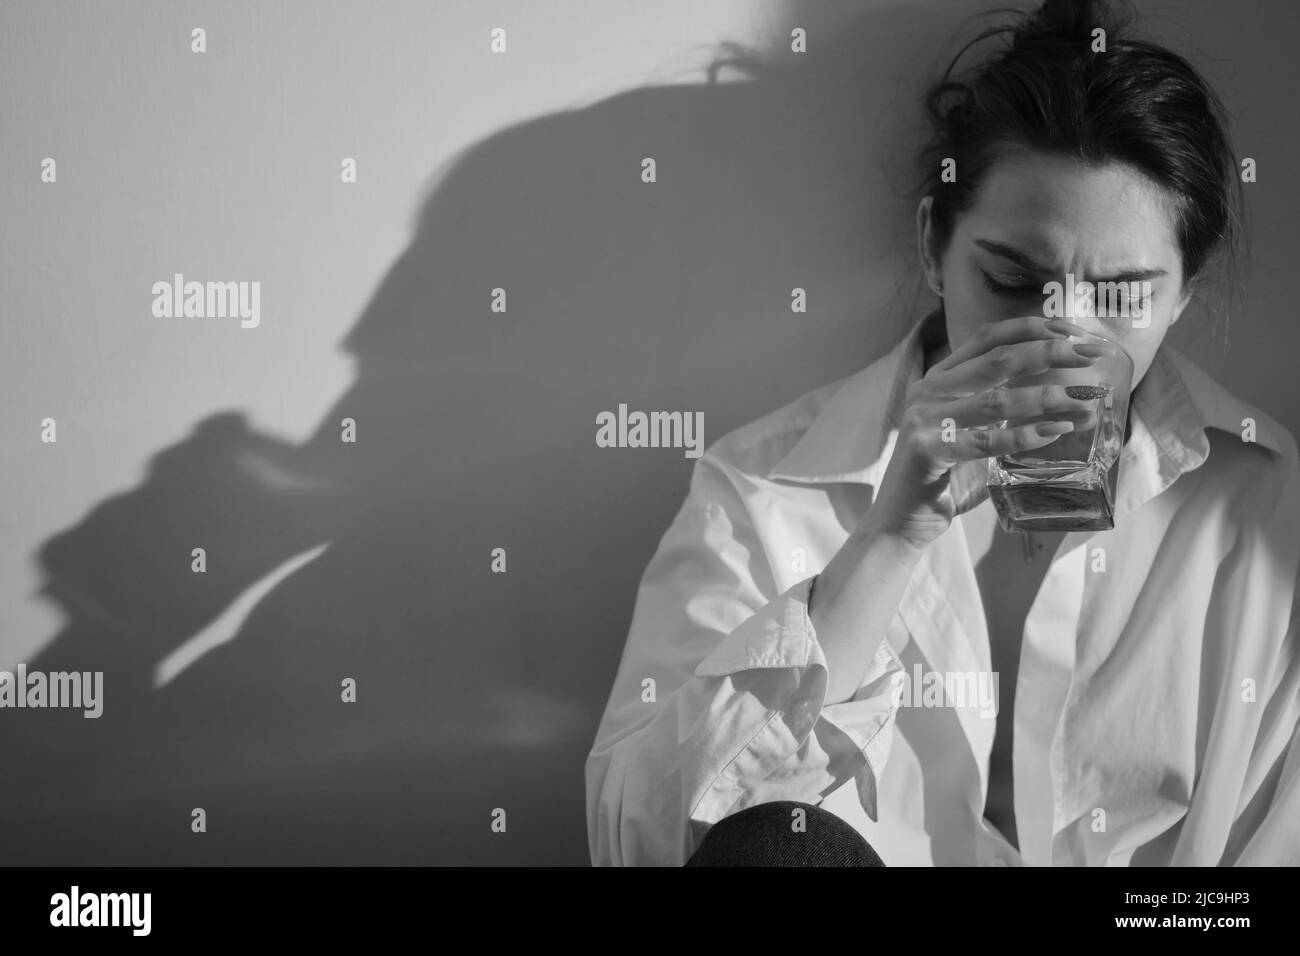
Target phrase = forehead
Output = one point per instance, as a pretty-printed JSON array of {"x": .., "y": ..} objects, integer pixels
[{"x": 1064, "y": 210}]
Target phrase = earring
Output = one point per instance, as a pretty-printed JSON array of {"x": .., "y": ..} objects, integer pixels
[{"x": 937, "y": 287}]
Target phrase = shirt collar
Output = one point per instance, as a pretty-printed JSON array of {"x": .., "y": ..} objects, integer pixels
[{"x": 852, "y": 437}]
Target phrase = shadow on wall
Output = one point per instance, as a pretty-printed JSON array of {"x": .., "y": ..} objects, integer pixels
[{"x": 475, "y": 430}]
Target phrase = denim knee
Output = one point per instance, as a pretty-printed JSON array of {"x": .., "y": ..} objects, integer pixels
[{"x": 773, "y": 834}]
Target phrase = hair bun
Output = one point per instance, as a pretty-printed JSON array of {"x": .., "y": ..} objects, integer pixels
[{"x": 1069, "y": 20}]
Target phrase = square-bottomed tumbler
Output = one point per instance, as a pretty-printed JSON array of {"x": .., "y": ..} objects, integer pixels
[{"x": 1069, "y": 483}]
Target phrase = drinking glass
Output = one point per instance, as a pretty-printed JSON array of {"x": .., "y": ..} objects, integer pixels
[{"x": 1069, "y": 483}]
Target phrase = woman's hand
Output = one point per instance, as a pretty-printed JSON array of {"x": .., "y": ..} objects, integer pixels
[{"x": 949, "y": 424}]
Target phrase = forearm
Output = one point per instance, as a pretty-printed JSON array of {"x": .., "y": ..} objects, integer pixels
[{"x": 853, "y": 601}]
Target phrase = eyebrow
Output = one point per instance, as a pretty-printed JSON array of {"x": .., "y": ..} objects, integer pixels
[{"x": 1026, "y": 261}]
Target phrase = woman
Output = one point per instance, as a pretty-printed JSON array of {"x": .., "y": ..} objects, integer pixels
[{"x": 836, "y": 555}]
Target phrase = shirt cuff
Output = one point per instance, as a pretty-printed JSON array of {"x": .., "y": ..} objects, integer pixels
[
  {"x": 867, "y": 719},
  {"x": 779, "y": 634}
]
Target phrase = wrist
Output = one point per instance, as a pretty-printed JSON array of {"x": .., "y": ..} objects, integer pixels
[{"x": 874, "y": 534}]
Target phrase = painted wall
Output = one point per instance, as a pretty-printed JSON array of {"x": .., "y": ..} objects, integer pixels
[{"x": 371, "y": 560}]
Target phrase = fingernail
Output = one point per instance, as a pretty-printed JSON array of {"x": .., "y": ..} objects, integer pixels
[
  {"x": 1085, "y": 391},
  {"x": 1054, "y": 428},
  {"x": 1090, "y": 351}
]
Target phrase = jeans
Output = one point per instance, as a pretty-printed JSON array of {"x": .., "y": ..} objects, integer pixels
[{"x": 768, "y": 834}]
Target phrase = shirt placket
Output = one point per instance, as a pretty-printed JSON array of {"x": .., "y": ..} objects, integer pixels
[
  {"x": 1047, "y": 658},
  {"x": 945, "y": 616}
]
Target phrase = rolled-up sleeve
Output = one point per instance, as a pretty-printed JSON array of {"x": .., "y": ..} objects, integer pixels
[{"x": 719, "y": 699}]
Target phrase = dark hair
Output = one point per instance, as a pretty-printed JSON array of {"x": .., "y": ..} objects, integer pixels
[{"x": 1136, "y": 103}]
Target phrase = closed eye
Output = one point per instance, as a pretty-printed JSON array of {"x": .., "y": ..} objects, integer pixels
[{"x": 1007, "y": 288}]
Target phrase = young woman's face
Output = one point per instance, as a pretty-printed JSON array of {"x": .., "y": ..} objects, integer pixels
[{"x": 1039, "y": 218}]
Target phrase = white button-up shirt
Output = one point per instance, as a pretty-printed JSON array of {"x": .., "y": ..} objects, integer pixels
[{"x": 1157, "y": 703}]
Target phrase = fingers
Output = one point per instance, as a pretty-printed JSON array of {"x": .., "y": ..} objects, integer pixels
[
  {"x": 1005, "y": 363},
  {"x": 1006, "y": 350},
  {"x": 952, "y": 446},
  {"x": 965, "y": 409},
  {"x": 1066, "y": 327},
  {"x": 1024, "y": 405},
  {"x": 993, "y": 334}
]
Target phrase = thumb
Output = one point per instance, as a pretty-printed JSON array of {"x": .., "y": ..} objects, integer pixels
[{"x": 968, "y": 484}]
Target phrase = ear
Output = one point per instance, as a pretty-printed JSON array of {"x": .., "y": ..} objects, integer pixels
[{"x": 925, "y": 243}]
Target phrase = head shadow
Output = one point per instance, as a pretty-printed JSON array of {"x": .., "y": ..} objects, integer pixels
[{"x": 475, "y": 430}]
